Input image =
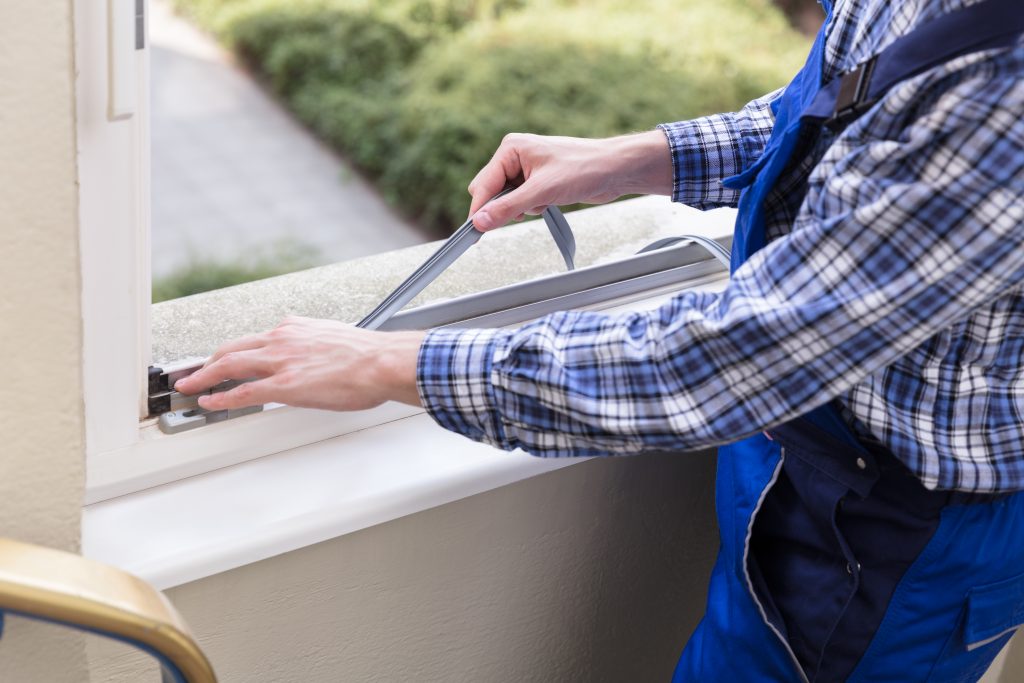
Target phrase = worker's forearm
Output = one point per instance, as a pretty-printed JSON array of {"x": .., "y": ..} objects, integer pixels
[
  {"x": 641, "y": 164},
  {"x": 312, "y": 364},
  {"x": 395, "y": 366}
]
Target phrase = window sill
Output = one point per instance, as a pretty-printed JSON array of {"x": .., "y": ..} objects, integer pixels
[
  {"x": 174, "y": 509},
  {"x": 252, "y": 510},
  {"x": 214, "y": 522},
  {"x": 195, "y": 325}
]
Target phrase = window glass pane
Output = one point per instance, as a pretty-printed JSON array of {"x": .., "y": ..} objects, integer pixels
[{"x": 240, "y": 188}]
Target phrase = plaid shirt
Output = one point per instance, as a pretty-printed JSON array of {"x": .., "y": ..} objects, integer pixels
[{"x": 892, "y": 281}]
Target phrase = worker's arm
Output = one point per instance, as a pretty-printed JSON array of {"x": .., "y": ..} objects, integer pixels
[
  {"x": 708, "y": 149},
  {"x": 312, "y": 364},
  {"x": 687, "y": 160},
  {"x": 324, "y": 364},
  {"x": 910, "y": 226}
]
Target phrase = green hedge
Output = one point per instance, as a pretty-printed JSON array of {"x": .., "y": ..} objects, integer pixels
[
  {"x": 202, "y": 274},
  {"x": 419, "y": 93}
]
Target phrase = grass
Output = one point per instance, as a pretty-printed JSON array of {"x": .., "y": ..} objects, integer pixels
[{"x": 202, "y": 274}]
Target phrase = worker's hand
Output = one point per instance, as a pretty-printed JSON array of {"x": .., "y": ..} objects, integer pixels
[
  {"x": 313, "y": 364},
  {"x": 559, "y": 171}
]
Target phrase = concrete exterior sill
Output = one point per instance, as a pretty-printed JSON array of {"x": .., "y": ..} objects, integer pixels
[{"x": 194, "y": 326}]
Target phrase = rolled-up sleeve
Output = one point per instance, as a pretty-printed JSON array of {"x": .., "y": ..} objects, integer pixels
[
  {"x": 708, "y": 149},
  {"x": 453, "y": 377},
  {"x": 899, "y": 239}
]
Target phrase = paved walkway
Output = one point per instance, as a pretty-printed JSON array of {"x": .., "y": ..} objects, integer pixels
[{"x": 234, "y": 173}]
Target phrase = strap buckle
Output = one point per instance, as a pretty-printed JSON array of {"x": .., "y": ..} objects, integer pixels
[{"x": 852, "y": 100}]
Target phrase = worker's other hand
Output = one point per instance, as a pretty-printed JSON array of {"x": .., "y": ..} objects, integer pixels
[
  {"x": 314, "y": 364},
  {"x": 560, "y": 170}
]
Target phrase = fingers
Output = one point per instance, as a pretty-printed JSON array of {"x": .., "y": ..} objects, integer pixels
[
  {"x": 230, "y": 365},
  {"x": 504, "y": 166},
  {"x": 522, "y": 200},
  {"x": 253, "y": 341},
  {"x": 242, "y": 396}
]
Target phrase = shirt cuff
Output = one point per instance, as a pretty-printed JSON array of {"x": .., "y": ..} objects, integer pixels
[
  {"x": 703, "y": 152},
  {"x": 453, "y": 378}
]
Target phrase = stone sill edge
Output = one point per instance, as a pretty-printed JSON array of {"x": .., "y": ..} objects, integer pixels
[{"x": 192, "y": 327}]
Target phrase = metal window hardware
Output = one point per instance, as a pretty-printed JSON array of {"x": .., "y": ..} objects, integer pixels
[
  {"x": 126, "y": 36},
  {"x": 140, "y": 24},
  {"x": 177, "y": 412}
]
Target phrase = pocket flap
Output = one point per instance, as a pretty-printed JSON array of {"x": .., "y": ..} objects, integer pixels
[{"x": 994, "y": 610}]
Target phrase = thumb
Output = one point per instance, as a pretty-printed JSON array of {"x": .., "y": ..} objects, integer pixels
[{"x": 500, "y": 211}]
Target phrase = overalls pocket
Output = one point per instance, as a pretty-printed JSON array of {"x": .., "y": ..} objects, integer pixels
[
  {"x": 989, "y": 616},
  {"x": 994, "y": 611}
]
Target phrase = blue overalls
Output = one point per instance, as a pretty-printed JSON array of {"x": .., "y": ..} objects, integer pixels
[{"x": 835, "y": 562}]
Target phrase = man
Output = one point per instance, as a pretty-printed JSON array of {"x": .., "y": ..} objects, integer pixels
[{"x": 865, "y": 363}]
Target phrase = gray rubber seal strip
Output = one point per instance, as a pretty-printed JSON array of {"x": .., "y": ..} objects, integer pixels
[
  {"x": 467, "y": 235},
  {"x": 455, "y": 246},
  {"x": 713, "y": 247},
  {"x": 562, "y": 234}
]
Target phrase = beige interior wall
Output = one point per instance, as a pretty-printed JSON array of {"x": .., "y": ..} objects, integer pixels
[
  {"x": 596, "y": 572},
  {"x": 41, "y": 414},
  {"x": 592, "y": 573}
]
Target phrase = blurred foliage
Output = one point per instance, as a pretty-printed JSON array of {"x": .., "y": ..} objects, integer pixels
[
  {"x": 419, "y": 93},
  {"x": 202, "y": 273}
]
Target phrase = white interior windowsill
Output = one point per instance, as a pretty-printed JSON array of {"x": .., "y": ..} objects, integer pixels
[{"x": 197, "y": 527}]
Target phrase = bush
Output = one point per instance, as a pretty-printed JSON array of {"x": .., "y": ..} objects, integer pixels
[
  {"x": 202, "y": 274},
  {"x": 418, "y": 93},
  {"x": 302, "y": 46}
]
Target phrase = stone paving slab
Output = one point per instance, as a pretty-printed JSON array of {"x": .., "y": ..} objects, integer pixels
[{"x": 233, "y": 173}]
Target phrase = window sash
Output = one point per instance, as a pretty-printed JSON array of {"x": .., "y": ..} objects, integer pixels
[{"x": 637, "y": 277}]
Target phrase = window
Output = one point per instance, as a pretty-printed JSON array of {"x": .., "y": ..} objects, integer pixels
[
  {"x": 126, "y": 452},
  {"x": 174, "y": 508}
]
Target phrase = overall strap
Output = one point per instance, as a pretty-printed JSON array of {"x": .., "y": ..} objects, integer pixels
[{"x": 987, "y": 25}]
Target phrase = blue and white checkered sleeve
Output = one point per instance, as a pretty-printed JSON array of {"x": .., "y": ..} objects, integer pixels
[
  {"x": 571, "y": 384},
  {"x": 708, "y": 149},
  {"x": 453, "y": 378},
  {"x": 899, "y": 239}
]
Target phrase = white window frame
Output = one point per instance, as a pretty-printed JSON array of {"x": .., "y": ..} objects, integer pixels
[
  {"x": 125, "y": 452},
  {"x": 113, "y": 170}
]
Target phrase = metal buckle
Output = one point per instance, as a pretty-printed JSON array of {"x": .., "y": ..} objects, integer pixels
[{"x": 852, "y": 100}]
